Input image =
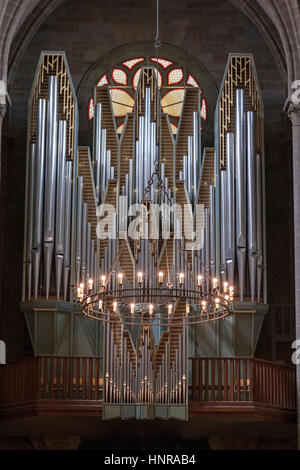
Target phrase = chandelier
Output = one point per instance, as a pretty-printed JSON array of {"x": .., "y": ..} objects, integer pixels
[
  {"x": 162, "y": 305},
  {"x": 155, "y": 298}
]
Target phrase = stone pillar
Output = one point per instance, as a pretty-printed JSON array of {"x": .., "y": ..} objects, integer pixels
[{"x": 294, "y": 115}]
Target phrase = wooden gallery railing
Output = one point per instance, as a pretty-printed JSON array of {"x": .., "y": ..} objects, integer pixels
[
  {"x": 210, "y": 379},
  {"x": 52, "y": 378},
  {"x": 242, "y": 380}
]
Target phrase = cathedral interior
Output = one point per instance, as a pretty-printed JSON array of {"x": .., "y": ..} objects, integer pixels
[{"x": 149, "y": 224}]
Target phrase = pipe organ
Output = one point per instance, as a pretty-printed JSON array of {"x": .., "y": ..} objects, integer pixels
[{"x": 184, "y": 245}]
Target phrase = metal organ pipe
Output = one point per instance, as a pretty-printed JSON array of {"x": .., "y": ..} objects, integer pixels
[
  {"x": 50, "y": 178},
  {"x": 224, "y": 222},
  {"x": 251, "y": 201},
  {"x": 38, "y": 191},
  {"x": 196, "y": 151},
  {"x": 230, "y": 208},
  {"x": 212, "y": 231},
  {"x": 88, "y": 250},
  {"x": 98, "y": 151},
  {"x": 240, "y": 188},
  {"x": 259, "y": 196},
  {"x": 60, "y": 202},
  {"x": 83, "y": 241},
  {"x": 29, "y": 236},
  {"x": 79, "y": 225},
  {"x": 67, "y": 227}
]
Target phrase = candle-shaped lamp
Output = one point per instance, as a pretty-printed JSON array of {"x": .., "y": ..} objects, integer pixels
[{"x": 120, "y": 278}]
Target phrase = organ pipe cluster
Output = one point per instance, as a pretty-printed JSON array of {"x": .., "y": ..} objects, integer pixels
[
  {"x": 49, "y": 199},
  {"x": 241, "y": 206}
]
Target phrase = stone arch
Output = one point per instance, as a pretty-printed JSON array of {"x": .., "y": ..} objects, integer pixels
[{"x": 277, "y": 22}]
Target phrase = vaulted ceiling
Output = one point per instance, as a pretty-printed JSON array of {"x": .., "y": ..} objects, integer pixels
[{"x": 278, "y": 22}]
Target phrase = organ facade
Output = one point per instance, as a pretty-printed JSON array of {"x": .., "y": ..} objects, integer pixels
[{"x": 148, "y": 248}]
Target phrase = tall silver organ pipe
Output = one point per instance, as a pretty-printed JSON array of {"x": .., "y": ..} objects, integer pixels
[
  {"x": 98, "y": 148},
  {"x": 230, "y": 208},
  {"x": 251, "y": 201},
  {"x": 83, "y": 241},
  {"x": 60, "y": 202},
  {"x": 196, "y": 152},
  {"x": 39, "y": 192},
  {"x": 79, "y": 224},
  {"x": 224, "y": 222},
  {"x": 240, "y": 187},
  {"x": 50, "y": 178},
  {"x": 260, "y": 255},
  {"x": 207, "y": 246},
  {"x": 212, "y": 231},
  {"x": 67, "y": 227},
  {"x": 29, "y": 236}
]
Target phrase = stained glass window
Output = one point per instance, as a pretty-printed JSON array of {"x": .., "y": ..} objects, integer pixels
[
  {"x": 172, "y": 102},
  {"x": 175, "y": 76},
  {"x": 131, "y": 63},
  {"x": 123, "y": 81},
  {"x": 122, "y": 102},
  {"x": 174, "y": 128},
  {"x": 119, "y": 76},
  {"x": 120, "y": 128},
  {"x": 203, "y": 109},
  {"x": 91, "y": 109},
  {"x": 191, "y": 81},
  {"x": 163, "y": 62},
  {"x": 103, "y": 81}
]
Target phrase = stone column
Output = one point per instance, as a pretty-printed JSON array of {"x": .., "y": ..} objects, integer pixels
[{"x": 294, "y": 115}]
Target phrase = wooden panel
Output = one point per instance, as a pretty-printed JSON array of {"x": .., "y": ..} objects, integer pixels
[{"x": 207, "y": 177}]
